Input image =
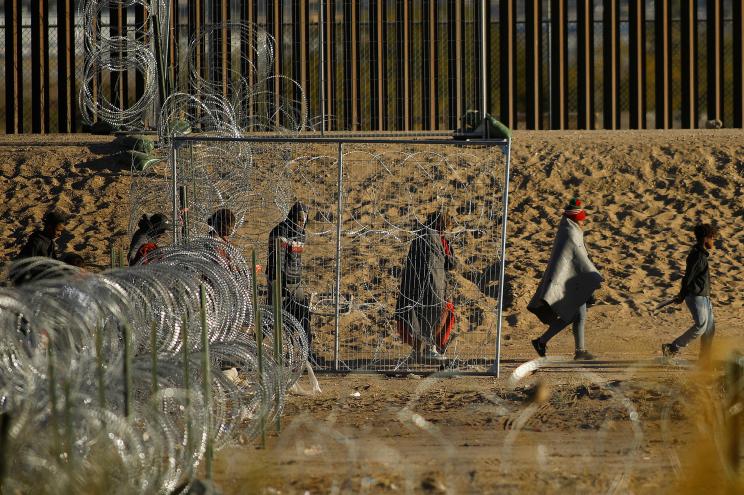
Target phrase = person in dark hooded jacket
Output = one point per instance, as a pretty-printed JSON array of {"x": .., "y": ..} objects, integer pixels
[
  {"x": 424, "y": 310},
  {"x": 41, "y": 242},
  {"x": 148, "y": 234},
  {"x": 290, "y": 234}
]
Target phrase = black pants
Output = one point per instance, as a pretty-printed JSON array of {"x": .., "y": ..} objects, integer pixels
[{"x": 295, "y": 303}]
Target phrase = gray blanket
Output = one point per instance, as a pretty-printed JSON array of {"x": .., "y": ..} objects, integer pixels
[{"x": 570, "y": 278}]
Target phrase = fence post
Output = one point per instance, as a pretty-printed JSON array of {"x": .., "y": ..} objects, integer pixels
[
  {"x": 13, "y": 67},
  {"x": 504, "y": 218},
  {"x": 206, "y": 379},
  {"x": 258, "y": 328},
  {"x": 154, "y": 356},
  {"x": 127, "y": 370},
  {"x": 174, "y": 178},
  {"x": 278, "y": 301},
  {"x": 186, "y": 380},
  {"x": 339, "y": 213},
  {"x": 734, "y": 409}
]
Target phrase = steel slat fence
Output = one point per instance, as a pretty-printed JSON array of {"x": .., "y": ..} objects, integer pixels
[{"x": 414, "y": 64}]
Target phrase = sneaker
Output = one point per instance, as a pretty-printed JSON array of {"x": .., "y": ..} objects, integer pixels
[
  {"x": 583, "y": 355},
  {"x": 539, "y": 347},
  {"x": 669, "y": 350},
  {"x": 431, "y": 354}
]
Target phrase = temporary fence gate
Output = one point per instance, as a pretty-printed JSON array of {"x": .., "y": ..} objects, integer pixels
[{"x": 367, "y": 199}]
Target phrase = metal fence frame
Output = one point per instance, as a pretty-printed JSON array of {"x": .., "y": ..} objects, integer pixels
[{"x": 339, "y": 141}]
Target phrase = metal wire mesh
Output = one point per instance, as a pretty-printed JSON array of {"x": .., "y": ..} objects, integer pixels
[{"x": 361, "y": 230}]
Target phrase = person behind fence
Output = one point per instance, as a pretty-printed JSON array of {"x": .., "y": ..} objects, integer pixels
[
  {"x": 290, "y": 233},
  {"x": 41, "y": 241},
  {"x": 695, "y": 292},
  {"x": 150, "y": 231},
  {"x": 221, "y": 225},
  {"x": 424, "y": 311},
  {"x": 568, "y": 284}
]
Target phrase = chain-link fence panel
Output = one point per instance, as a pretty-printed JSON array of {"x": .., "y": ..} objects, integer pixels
[{"x": 390, "y": 250}]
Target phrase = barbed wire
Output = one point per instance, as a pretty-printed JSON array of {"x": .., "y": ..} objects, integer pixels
[{"x": 116, "y": 358}]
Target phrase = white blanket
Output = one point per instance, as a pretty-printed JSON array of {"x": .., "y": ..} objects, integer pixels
[{"x": 570, "y": 278}]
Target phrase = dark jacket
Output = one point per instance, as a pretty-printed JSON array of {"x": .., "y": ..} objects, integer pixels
[
  {"x": 424, "y": 284},
  {"x": 291, "y": 238},
  {"x": 696, "y": 281},
  {"x": 39, "y": 244}
]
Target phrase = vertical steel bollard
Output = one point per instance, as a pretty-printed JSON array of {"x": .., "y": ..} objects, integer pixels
[
  {"x": 207, "y": 379},
  {"x": 321, "y": 50},
  {"x": 484, "y": 66},
  {"x": 127, "y": 370},
  {"x": 113, "y": 257},
  {"x": 154, "y": 356},
  {"x": 186, "y": 380},
  {"x": 339, "y": 213},
  {"x": 278, "y": 303},
  {"x": 258, "y": 328},
  {"x": 99, "y": 366},
  {"x": 734, "y": 409},
  {"x": 122, "y": 258}
]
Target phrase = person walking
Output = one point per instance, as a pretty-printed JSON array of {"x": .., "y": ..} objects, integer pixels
[
  {"x": 291, "y": 236},
  {"x": 695, "y": 292},
  {"x": 424, "y": 310},
  {"x": 567, "y": 285}
]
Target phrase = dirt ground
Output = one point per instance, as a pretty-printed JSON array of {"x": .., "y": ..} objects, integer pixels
[
  {"x": 605, "y": 428},
  {"x": 626, "y": 424}
]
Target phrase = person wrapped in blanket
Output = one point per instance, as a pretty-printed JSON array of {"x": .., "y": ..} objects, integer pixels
[
  {"x": 424, "y": 312},
  {"x": 149, "y": 233},
  {"x": 291, "y": 236},
  {"x": 567, "y": 285}
]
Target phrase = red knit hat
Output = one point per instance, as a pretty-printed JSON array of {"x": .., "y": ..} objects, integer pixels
[{"x": 575, "y": 210}]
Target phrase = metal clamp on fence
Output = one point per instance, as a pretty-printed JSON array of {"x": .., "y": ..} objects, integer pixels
[{"x": 324, "y": 303}]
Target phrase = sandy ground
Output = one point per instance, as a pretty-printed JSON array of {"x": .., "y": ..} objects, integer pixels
[
  {"x": 608, "y": 430},
  {"x": 645, "y": 190}
]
